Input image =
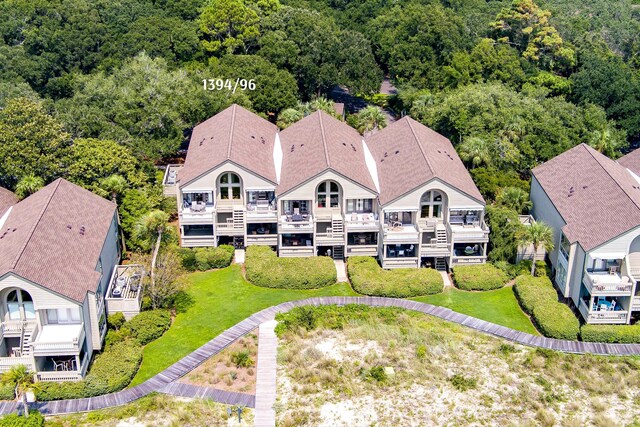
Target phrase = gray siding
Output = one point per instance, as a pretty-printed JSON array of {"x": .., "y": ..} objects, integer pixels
[{"x": 544, "y": 210}]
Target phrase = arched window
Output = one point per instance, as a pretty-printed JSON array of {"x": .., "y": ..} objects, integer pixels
[
  {"x": 328, "y": 194},
  {"x": 431, "y": 204},
  {"x": 229, "y": 186},
  {"x": 20, "y": 305}
]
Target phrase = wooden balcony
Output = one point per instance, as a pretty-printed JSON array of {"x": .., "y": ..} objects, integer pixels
[
  {"x": 58, "y": 339},
  {"x": 296, "y": 251},
  {"x": 262, "y": 239},
  {"x": 603, "y": 283},
  {"x": 362, "y": 250}
]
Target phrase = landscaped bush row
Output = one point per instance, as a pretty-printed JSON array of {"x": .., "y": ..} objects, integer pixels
[
  {"x": 112, "y": 370},
  {"x": 207, "y": 258},
  {"x": 552, "y": 318},
  {"x": 264, "y": 268},
  {"x": 368, "y": 278},
  {"x": 115, "y": 367},
  {"x": 482, "y": 277},
  {"x": 6, "y": 392},
  {"x": 625, "y": 334}
]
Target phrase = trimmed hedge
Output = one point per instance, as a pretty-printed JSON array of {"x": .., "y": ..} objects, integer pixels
[
  {"x": 531, "y": 291},
  {"x": 148, "y": 325},
  {"x": 552, "y": 318},
  {"x": 556, "y": 320},
  {"x": 6, "y": 392},
  {"x": 626, "y": 334},
  {"x": 481, "y": 277},
  {"x": 207, "y": 258},
  {"x": 264, "y": 268},
  {"x": 368, "y": 278},
  {"x": 112, "y": 370}
]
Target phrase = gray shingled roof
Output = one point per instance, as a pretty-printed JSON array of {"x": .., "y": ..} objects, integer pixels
[
  {"x": 408, "y": 154},
  {"x": 631, "y": 161},
  {"x": 597, "y": 197},
  {"x": 318, "y": 143},
  {"x": 234, "y": 134},
  {"x": 42, "y": 240},
  {"x": 7, "y": 199}
]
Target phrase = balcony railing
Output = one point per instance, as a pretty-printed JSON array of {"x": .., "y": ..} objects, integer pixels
[
  {"x": 400, "y": 232},
  {"x": 262, "y": 239},
  {"x": 470, "y": 233},
  {"x": 608, "y": 316},
  {"x": 290, "y": 225},
  {"x": 47, "y": 347},
  {"x": 59, "y": 376},
  {"x": 6, "y": 363},
  {"x": 361, "y": 222},
  {"x": 606, "y": 284},
  {"x": 330, "y": 238},
  {"x": 471, "y": 259}
]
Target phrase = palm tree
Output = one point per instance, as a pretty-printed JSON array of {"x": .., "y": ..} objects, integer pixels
[
  {"x": 370, "y": 118},
  {"x": 28, "y": 185},
  {"x": 514, "y": 198},
  {"x": 537, "y": 234},
  {"x": 152, "y": 225},
  {"x": 288, "y": 117},
  {"x": 475, "y": 151},
  {"x": 22, "y": 381},
  {"x": 606, "y": 141},
  {"x": 324, "y": 104},
  {"x": 115, "y": 184}
]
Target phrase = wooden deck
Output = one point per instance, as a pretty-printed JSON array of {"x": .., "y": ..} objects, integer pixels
[
  {"x": 217, "y": 395},
  {"x": 165, "y": 379},
  {"x": 265, "y": 415}
]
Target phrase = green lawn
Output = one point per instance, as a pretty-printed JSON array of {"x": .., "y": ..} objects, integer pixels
[
  {"x": 222, "y": 298},
  {"x": 499, "y": 306}
]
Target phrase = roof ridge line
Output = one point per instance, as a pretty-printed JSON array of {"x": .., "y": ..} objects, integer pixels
[
  {"x": 324, "y": 140},
  {"x": 611, "y": 176},
  {"x": 424, "y": 155},
  {"x": 233, "y": 123},
  {"x": 33, "y": 229}
]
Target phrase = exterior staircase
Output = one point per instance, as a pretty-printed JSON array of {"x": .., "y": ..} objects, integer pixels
[
  {"x": 441, "y": 235},
  {"x": 25, "y": 341},
  {"x": 337, "y": 226},
  {"x": 441, "y": 265},
  {"x": 238, "y": 219},
  {"x": 337, "y": 252}
]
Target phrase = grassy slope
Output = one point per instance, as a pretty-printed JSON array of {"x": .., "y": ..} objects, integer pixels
[
  {"x": 222, "y": 298},
  {"x": 499, "y": 306}
]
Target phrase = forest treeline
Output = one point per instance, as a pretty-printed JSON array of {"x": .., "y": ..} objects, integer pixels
[{"x": 511, "y": 83}]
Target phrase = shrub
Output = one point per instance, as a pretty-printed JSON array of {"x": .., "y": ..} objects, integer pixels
[
  {"x": 531, "y": 291},
  {"x": 116, "y": 320},
  {"x": 462, "y": 383},
  {"x": 541, "y": 268},
  {"x": 241, "y": 359},
  {"x": 377, "y": 373},
  {"x": 14, "y": 420},
  {"x": 626, "y": 334},
  {"x": 6, "y": 392},
  {"x": 368, "y": 278},
  {"x": 482, "y": 277},
  {"x": 556, "y": 320},
  {"x": 421, "y": 351},
  {"x": 112, "y": 370},
  {"x": 149, "y": 325},
  {"x": 113, "y": 336},
  {"x": 206, "y": 258},
  {"x": 264, "y": 268}
]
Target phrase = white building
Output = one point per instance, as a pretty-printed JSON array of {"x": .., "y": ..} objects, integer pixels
[
  {"x": 593, "y": 205},
  {"x": 58, "y": 253},
  {"x": 318, "y": 188}
]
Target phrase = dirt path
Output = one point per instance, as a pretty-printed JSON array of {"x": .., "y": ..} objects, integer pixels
[{"x": 353, "y": 104}]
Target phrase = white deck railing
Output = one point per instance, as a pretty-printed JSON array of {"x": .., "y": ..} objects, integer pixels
[{"x": 6, "y": 363}]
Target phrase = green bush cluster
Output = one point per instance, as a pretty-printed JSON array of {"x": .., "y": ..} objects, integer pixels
[
  {"x": 242, "y": 359},
  {"x": 538, "y": 298},
  {"x": 207, "y": 258},
  {"x": 264, "y": 268},
  {"x": 6, "y": 392},
  {"x": 481, "y": 277},
  {"x": 462, "y": 383},
  {"x": 116, "y": 320},
  {"x": 14, "y": 420},
  {"x": 112, "y": 370},
  {"x": 541, "y": 268},
  {"x": 626, "y": 334},
  {"x": 368, "y": 278},
  {"x": 148, "y": 325}
]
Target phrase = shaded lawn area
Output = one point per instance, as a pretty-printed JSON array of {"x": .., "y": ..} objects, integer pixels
[
  {"x": 499, "y": 306},
  {"x": 221, "y": 298}
]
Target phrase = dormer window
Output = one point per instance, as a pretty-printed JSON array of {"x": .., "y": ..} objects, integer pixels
[
  {"x": 328, "y": 194},
  {"x": 229, "y": 186}
]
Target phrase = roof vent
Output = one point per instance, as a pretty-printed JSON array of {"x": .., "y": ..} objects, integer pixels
[
  {"x": 397, "y": 151},
  {"x": 381, "y": 160},
  {"x": 262, "y": 140},
  {"x": 253, "y": 137},
  {"x": 386, "y": 154},
  {"x": 292, "y": 147},
  {"x": 69, "y": 226},
  {"x": 354, "y": 148},
  {"x": 301, "y": 145},
  {"x": 439, "y": 151},
  {"x": 344, "y": 143},
  {"x": 584, "y": 187},
  {"x": 82, "y": 230},
  {"x": 14, "y": 230}
]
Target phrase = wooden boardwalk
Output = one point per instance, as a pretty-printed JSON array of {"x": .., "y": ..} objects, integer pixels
[
  {"x": 265, "y": 415},
  {"x": 176, "y": 371},
  {"x": 217, "y": 395}
]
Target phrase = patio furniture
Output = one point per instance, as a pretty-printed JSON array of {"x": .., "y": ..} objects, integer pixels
[
  {"x": 354, "y": 217},
  {"x": 392, "y": 252},
  {"x": 469, "y": 250},
  {"x": 117, "y": 292},
  {"x": 16, "y": 352},
  {"x": 297, "y": 217},
  {"x": 121, "y": 281},
  {"x": 401, "y": 252}
]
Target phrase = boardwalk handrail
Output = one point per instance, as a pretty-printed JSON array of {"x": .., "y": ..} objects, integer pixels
[{"x": 163, "y": 380}]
